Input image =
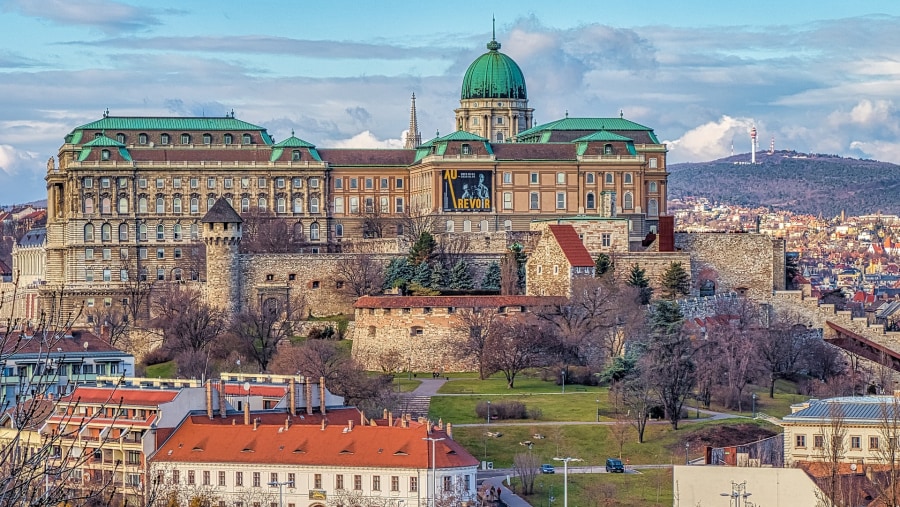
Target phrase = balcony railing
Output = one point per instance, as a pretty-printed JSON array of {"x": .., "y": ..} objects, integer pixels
[{"x": 612, "y": 158}]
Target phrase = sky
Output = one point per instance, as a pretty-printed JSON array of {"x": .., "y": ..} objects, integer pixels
[{"x": 819, "y": 76}]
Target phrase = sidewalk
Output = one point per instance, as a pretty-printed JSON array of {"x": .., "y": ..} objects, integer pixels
[{"x": 507, "y": 497}]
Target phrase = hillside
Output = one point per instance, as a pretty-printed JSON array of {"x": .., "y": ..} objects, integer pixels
[{"x": 813, "y": 184}]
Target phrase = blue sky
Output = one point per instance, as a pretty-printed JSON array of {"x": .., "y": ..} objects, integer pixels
[{"x": 818, "y": 76}]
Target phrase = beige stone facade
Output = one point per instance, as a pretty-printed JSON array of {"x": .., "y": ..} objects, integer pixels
[{"x": 556, "y": 261}]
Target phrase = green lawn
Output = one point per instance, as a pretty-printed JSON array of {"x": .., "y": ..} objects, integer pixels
[
  {"x": 572, "y": 406},
  {"x": 645, "y": 489},
  {"x": 162, "y": 370},
  {"x": 496, "y": 384}
]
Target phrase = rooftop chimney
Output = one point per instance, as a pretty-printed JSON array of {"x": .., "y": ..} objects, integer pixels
[
  {"x": 287, "y": 423},
  {"x": 362, "y": 418},
  {"x": 255, "y": 423},
  {"x": 450, "y": 431},
  {"x": 292, "y": 399},
  {"x": 322, "y": 395},
  {"x": 209, "y": 403},
  {"x": 247, "y": 413},
  {"x": 390, "y": 419},
  {"x": 222, "y": 409},
  {"x": 308, "y": 392},
  {"x": 350, "y": 424},
  {"x": 323, "y": 424}
]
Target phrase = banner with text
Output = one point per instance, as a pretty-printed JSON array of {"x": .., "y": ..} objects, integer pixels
[{"x": 467, "y": 190}]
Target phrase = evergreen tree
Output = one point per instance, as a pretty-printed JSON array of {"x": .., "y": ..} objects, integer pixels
[
  {"x": 637, "y": 277},
  {"x": 666, "y": 318},
  {"x": 439, "y": 276},
  {"x": 460, "y": 278},
  {"x": 602, "y": 265},
  {"x": 398, "y": 273},
  {"x": 491, "y": 279},
  {"x": 519, "y": 255},
  {"x": 675, "y": 281},
  {"x": 423, "y": 249},
  {"x": 422, "y": 275}
]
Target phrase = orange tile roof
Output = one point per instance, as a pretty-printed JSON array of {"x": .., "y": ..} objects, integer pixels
[
  {"x": 455, "y": 301},
  {"x": 572, "y": 246},
  {"x": 338, "y": 416},
  {"x": 305, "y": 445},
  {"x": 124, "y": 395},
  {"x": 232, "y": 389}
]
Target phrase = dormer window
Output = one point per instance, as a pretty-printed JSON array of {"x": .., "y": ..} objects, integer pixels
[
  {"x": 466, "y": 149},
  {"x": 142, "y": 138},
  {"x": 120, "y": 138},
  {"x": 607, "y": 149},
  {"x": 104, "y": 155},
  {"x": 185, "y": 139},
  {"x": 295, "y": 155},
  {"x": 246, "y": 139},
  {"x": 228, "y": 139},
  {"x": 207, "y": 138},
  {"x": 164, "y": 139}
]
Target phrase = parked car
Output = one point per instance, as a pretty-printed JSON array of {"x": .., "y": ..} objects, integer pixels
[
  {"x": 614, "y": 465},
  {"x": 547, "y": 469}
]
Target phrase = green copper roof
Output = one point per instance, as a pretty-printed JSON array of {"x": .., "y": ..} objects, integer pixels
[
  {"x": 594, "y": 124},
  {"x": 438, "y": 145},
  {"x": 460, "y": 135},
  {"x": 294, "y": 142},
  {"x": 493, "y": 75},
  {"x": 103, "y": 142},
  {"x": 602, "y": 135},
  {"x": 167, "y": 123}
]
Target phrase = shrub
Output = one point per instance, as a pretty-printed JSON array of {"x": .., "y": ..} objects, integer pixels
[
  {"x": 502, "y": 410},
  {"x": 158, "y": 355},
  {"x": 325, "y": 333}
]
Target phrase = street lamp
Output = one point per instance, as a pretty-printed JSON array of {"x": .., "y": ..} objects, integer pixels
[
  {"x": 598, "y": 409},
  {"x": 753, "y": 397},
  {"x": 687, "y": 451},
  {"x": 433, "y": 469},
  {"x": 563, "y": 372},
  {"x": 566, "y": 461},
  {"x": 281, "y": 486},
  {"x": 489, "y": 412},
  {"x": 738, "y": 493}
]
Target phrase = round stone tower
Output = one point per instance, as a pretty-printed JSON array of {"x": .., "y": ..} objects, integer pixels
[
  {"x": 221, "y": 229},
  {"x": 493, "y": 102}
]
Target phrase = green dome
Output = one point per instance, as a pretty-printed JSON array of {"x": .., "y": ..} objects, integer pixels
[{"x": 493, "y": 75}]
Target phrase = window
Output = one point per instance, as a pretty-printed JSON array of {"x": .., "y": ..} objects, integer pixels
[
  {"x": 89, "y": 232},
  {"x": 855, "y": 442},
  {"x": 589, "y": 178},
  {"x": 279, "y": 183},
  {"x": 399, "y": 183},
  {"x": 339, "y": 230},
  {"x": 369, "y": 183},
  {"x": 260, "y": 182},
  {"x": 104, "y": 154},
  {"x": 160, "y": 205},
  {"x": 164, "y": 139},
  {"x": 105, "y": 206},
  {"x": 385, "y": 183},
  {"x": 256, "y": 479},
  {"x": 466, "y": 149},
  {"x": 123, "y": 275},
  {"x": 123, "y": 232},
  {"x": 107, "y": 254},
  {"x": 448, "y": 482},
  {"x": 413, "y": 484},
  {"x": 607, "y": 149},
  {"x": 534, "y": 179},
  {"x": 291, "y": 480},
  {"x": 142, "y": 138},
  {"x": 221, "y": 477},
  {"x": 507, "y": 178},
  {"x": 273, "y": 478},
  {"x": 228, "y": 182},
  {"x": 627, "y": 201},
  {"x": 653, "y": 187},
  {"x": 609, "y": 178},
  {"x": 499, "y": 120},
  {"x": 314, "y": 232},
  {"x": 281, "y": 205},
  {"x": 123, "y": 253},
  {"x": 606, "y": 239},
  {"x": 339, "y": 481},
  {"x": 383, "y": 205},
  {"x": 185, "y": 139},
  {"x": 590, "y": 202},
  {"x": 560, "y": 178},
  {"x": 160, "y": 253},
  {"x": 354, "y": 204},
  {"x": 161, "y": 274},
  {"x": 627, "y": 179},
  {"x": 376, "y": 483},
  {"x": 317, "y": 481},
  {"x": 245, "y": 205},
  {"x": 246, "y": 139},
  {"x": 262, "y": 203},
  {"x": 160, "y": 232},
  {"x": 195, "y": 182},
  {"x": 176, "y": 205},
  {"x": 357, "y": 482},
  {"x": 873, "y": 442},
  {"x": 206, "y": 474},
  {"x": 652, "y": 207},
  {"x": 652, "y": 162},
  {"x": 818, "y": 441},
  {"x": 228, "y": 139},
  {"x": 507, "y": 225},
  {"x": 210, "y": 183},
  {"x": 105, "y": 232},
  {"x": 534, "y": 201},
  {"x": 298, "y": 205},
  {"x": 195, "y": 205},
  {"x": 123, "y": 205},
  {"x": 142, "y": 232},
  {"x": 399, "y": 206},
  {"x": 499, "y": 137},
  {"x": 190, "y": 477},
  {"x": 313, "y": 204},
  {"x": 195, "y": 231},
  {"x": 485, "y": 226},
  {"x": 395, "y": 483},
  {"x": 475, "y": 118},
  {"x": 370, "y": 204},
  {"x": 88, "y": 254},
  {"x": 354, "y": 183},
  {"x": 451, "y": 225},
  {"x": 88, "y": 276},
  {"x": 507, "y": 200},
  {"x": 176, "y": 476},
  {"x": 560, "y": 200},
  {"x": 239, "y": 478},
  {"x": 88, "y": 205},
  {"x": 176, "y": 232}
]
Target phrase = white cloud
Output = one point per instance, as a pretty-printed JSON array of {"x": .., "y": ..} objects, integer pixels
[
  {"x": 14, "y": 161},
  {"x": 712, "y": 140},
  {"x": 366, "y": 139},
  {"x": 879, "y": 150}
]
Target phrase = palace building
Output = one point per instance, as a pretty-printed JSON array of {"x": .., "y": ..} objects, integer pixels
[{"x": 126, "y": 199}]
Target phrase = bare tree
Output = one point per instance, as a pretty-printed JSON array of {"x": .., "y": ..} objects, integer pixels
[
  {"x": 782, "y": 346},
  {"x": 451, "y": 248},
  {"x": 477, "y": 325},
  {"x": 517, "y": 346},
  {"x": 190, "y": 326},
  {"x": 361, "y": 275},
  {"x": 637, "y": 397},
  {"x": 887, "y": 451},
  {"x": 265, "y": 232},
  {"x": 262, "y": 327},
  {"x": 830, "y": 447},
  {"x": 416, "y": 220},
  {"x": 526, "y": 467},
  {"x": 669, "y": 359}
]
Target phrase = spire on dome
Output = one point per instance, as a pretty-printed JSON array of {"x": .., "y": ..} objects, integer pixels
[
  {"x": 493, "y": 45},
  {"x": 413, "y": 136}
]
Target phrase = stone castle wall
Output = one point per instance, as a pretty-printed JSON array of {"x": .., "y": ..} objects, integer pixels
[
  {"x": 654, "y": 265},
  {"x": 735, "y": 261}
]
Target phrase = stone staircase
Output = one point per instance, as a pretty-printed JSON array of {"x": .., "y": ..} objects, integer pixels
[{"x": 416, "y": 406}]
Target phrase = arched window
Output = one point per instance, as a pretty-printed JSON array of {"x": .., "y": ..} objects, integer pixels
[
  {"x": 299, "y": 231},
  {"x": 142, "y": 138},
  {"x": 105, "y": 205},
  {"x": 88, "y": 205},
  {"x": 106, "y": 232},
  {"x": 245, "y": 205},
  {"x": 654, "y": 187},
  {"x": 467, "y": 226},
  {"x": 589, "y": 201},
  {"x": 507, "y": 225},
  {"x": 185, "y": 139},
  {"x": 164, "y": 139},
  {"x": 627, "y": 201},
  {"x": 354, "y": 205},
  {"x": 195, "y": 232},
  {"x": 313, "y": 204},
  {"x": 262, "y": 204},
  {"x": 142, "y": 205},
  {"x": 228, "y": 138},
  {"x": 281, "y": 205},
  {"x": 466, "y": 149},
  {"x": 142, "y": 232},
  {"x": 209, "y": 203},
  {"x": 609, "y": 178},
  {"x": 176, "y": 232},
  {"x": 339, "y": 230},
  {"x": 89, "y": 232},
  {"x": 207, "y": 138},
  {"x": 104, "y": 155},
  {"x": 451, "y": 225},
  {"x": 653, "y": 207},
  {"x": 123, "y": 205},
  {"x": 123, "y": 232},
  {"x": 160, "y": 232},
  {"x": 485, "y": 226},
  {"x": 176, "y": 274},
  {"x": 120, "y": 137},
  {"x": 607, "y": 149},
  {"x": 499, "y": 137},
  {"x": 314, "y": 231},
  {"x": 176, "y": 205},
  {"x": 295, "y": 155},
  {"x": 195, "y": 205},
  {"x": 246, "y": 139},
  {"x": 160, "y": 205},
  {"x": 627, "y": 179}
]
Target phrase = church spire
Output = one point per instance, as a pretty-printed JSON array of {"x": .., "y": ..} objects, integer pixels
[{"x": 413, "y": 136}]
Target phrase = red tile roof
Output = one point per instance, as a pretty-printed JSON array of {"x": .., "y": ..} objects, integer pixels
[
  {"x": 534, "y": 151},
  {"x": 455, "y": 301},
  {"x": 339, "y": 416},
  {"x": 367, "y": 157},
  {"x": 195, "y": 440},
  {"x": 20, "y": 343},
  {"x": 571, "y": 245},
  {"x": 126, "y": 395},
  {"x": 232, "y": 389}
]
